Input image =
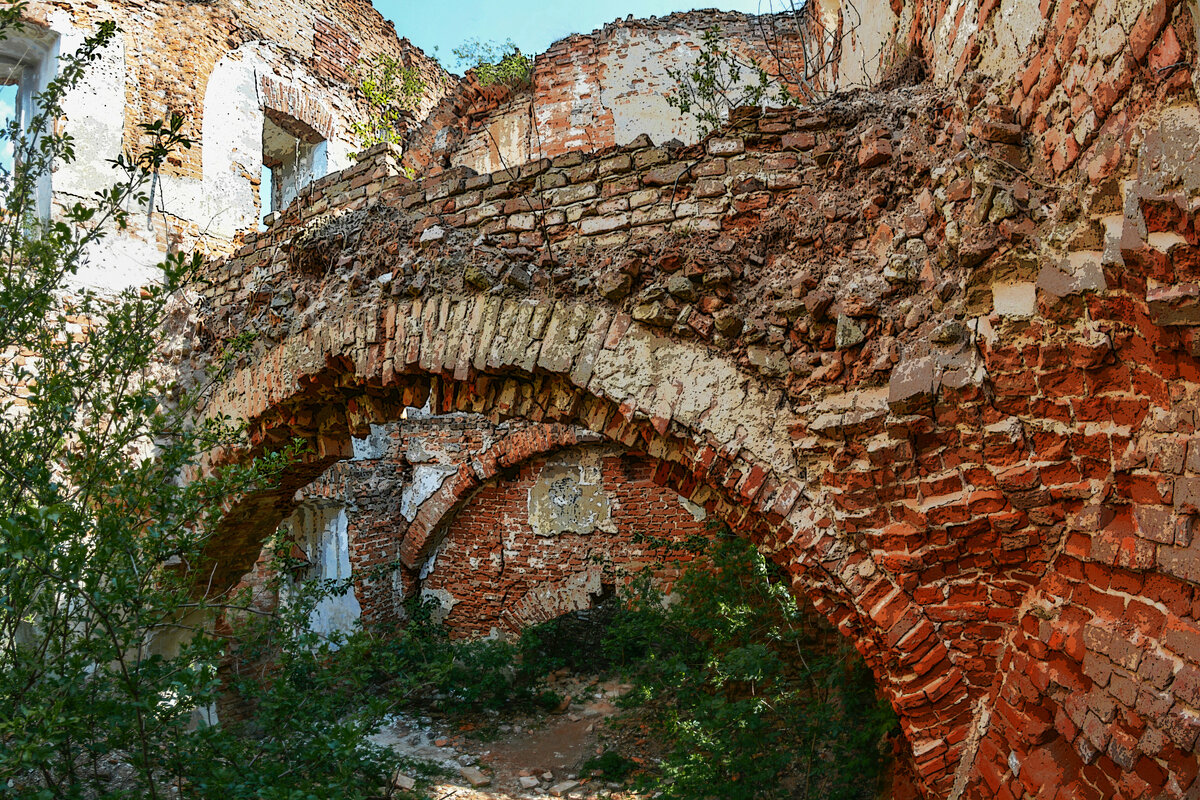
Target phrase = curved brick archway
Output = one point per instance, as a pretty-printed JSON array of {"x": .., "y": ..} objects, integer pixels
[
  {"x": 994, "y": 454},
  {"x": 554, "y": 527},
  {"x": 415, "y": 484},
  {"x": 422, "y": 534},
  {"x": 717, "y": 433}
]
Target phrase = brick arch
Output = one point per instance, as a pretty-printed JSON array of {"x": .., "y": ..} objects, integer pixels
[
  {"x": 722, "y": 440},
  {"x": 541, "y": 577},
  {"x": 279, "y": 97},
  {"x": 421, "y": 536},
  {"x": 1030, "y": 506}
]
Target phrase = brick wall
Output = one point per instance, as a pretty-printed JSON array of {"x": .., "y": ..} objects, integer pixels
[
  {"x": 947, "y": 379},
  {"x": 497, "y": 573},
  {"x": 489, "y": 551},
  {"x": 295, "y": 57},
  {"x": 590, "y": 92}
]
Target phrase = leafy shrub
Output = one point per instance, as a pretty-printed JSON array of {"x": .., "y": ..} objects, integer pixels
[
  {"x": 391, "y": 91},
  {"x": 753, "y": 695},
  {"x": 714, "y": 85},
  {"x": 610, "y": 764},
  {"x": 108, "y": 658},
  {"x": 494, "y": 63}
]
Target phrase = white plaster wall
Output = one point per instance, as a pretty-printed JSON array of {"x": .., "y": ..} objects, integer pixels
[
  {"x": 221, "y": 203},
  {"x": 323, "y": 532},
  {"x": 568, "y": 495},
  {"x": 294, "y": 176},
  {"x": 374, "y": 446},
  {"x": 233, "y": 124},
  {"x": 866, "y": 48},
  {"x": 505, "y": 142},
  {"x": 232, "y": 136},
  {"x": 1014, "y": 25},
  {"x": 94, "y": 114},
  {"x": 635, "y": 84},
  {"x": 427, "y": 479}
]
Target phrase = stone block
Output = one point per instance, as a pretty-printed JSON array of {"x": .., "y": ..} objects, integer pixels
[
  {"x": 874, "y": 152},
  {"x": 1174, "y": 305},
  {"x": 730, "y": 146},
  {"x": 912, "y": 385},
  {"x": 590, "y": 226},
  {"x": 668, "y": 175},
  {"x": 474, "y": 777}
]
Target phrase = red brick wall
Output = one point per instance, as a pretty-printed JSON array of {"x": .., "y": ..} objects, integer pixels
[
  {"x": 995, "y": 498},
  {"x": 166, "y": 76},
  {"x": 587, "y": 92},
  {"x": 491, "y": 588},
  {"x": 466, "y": 526}
]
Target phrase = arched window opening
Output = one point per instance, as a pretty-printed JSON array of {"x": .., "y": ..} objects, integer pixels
[{"x": 293, "y": 156}]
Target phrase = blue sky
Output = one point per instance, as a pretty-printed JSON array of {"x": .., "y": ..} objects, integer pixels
[{"x": 531, "y": 24}]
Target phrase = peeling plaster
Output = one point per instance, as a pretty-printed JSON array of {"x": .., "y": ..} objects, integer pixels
[
  {"x": 445, "y": 601},
  {"x": 323, "y": 533},
  {"x": 715, "y": 399},
  {"x": 639, "y": 59},
  {"x": 1015, "y": 25},
  {"x": 374, "y": 446},
  {"x": 427, "y": 479},
  {"x": 569, "y": 497}
]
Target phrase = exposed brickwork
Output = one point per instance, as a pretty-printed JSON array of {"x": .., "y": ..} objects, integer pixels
[
  {"x": 163, "y": 61},
  {"x": 584, "y": 89},
  {"x": 941, "y": 369},
  {"x": 455, "y": 534},
  {"x": 534, "y": 578}
]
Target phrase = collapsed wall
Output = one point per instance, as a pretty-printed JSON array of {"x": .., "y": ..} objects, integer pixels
[
  {"x": 511, "y": 525},
  {"x": 261, "y": 86},
  {"x": 932, "y": 349},
  {"x": 588, "y": 92}
]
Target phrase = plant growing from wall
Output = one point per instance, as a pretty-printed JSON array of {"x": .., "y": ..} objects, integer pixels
[
  {"x": 108, "y": 650},
  {"x": 391, "y": 91},
  {"x": 494, "y": 63},
  {"x": 797, "y": 49},
  {"x": 715, "y": 85}
]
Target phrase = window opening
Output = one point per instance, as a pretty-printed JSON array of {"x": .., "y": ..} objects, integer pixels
[
  {"x": 293, "y": 156},
  {"x": 28, "y": 61},
  {"x": 321, "y": 542}
]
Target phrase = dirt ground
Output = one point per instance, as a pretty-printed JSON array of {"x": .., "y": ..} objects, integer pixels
[{"x": 519, "y": 755}]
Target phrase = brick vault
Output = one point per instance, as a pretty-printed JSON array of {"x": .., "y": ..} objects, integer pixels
[{"x": 932, "y": 347}]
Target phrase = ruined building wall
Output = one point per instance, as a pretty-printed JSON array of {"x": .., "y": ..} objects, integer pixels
[
  {"x": 565, "y": 521},
  {"x": 553, "y": 536},
  {"x": 930, "y": 352},
  {"x": 591, "y": 91},
  {"x": 231, "y": 69}
]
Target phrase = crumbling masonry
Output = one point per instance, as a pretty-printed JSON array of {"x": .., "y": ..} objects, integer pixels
[{"x": 932, "y": 346}]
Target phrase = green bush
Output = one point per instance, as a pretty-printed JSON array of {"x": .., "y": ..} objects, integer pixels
[
  {"x": 494, "y": 63},
  {"x": 752, "y": 694},
  {"x": 109, "y": 651},
  {"x": 391, "y": 91},
  {"x": 610, "y": 765}
]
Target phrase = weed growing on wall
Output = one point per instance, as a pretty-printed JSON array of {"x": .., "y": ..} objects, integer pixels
[
  {"x": 719, "y": 82},
  {"x": 494, "y": 63},
  {"x": 392, "y": 92},
  {"x": 796, "y": 54}
]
